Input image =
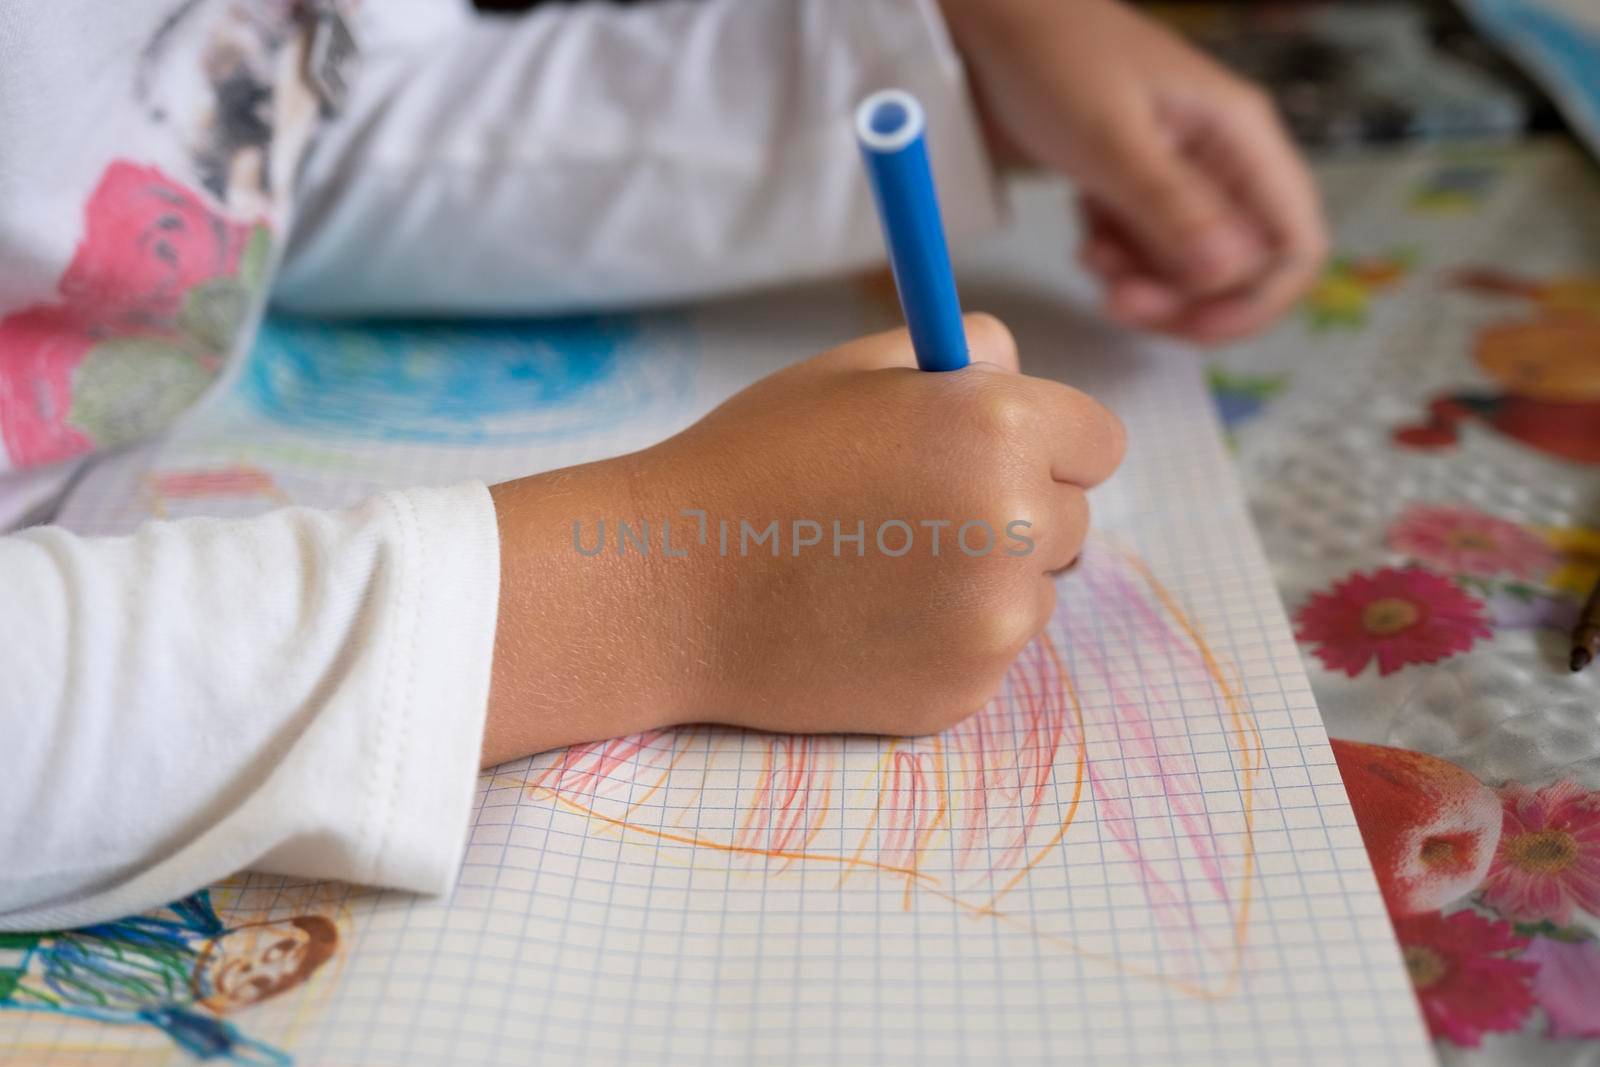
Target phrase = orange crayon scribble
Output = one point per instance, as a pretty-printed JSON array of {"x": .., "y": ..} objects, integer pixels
[
  {"x": 701, "y": 841},
  {"x": 973, "y": 801}
]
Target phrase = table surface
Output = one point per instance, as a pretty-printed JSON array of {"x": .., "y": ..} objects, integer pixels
[{"x": 1420, "y": 445}]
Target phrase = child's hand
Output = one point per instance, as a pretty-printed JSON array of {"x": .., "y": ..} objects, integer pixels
[
  {"x": 1200, "y": 218},
  {"x": 804, "y": 640}
]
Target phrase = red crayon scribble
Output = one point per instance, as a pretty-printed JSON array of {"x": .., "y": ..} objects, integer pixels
[
  {"x": 1102, "y": 707},
  {"x": 238, "y": 480},
  {"x": 790, "y": 802}
]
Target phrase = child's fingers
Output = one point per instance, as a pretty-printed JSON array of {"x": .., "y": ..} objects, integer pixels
[
  {"x": 1135, "y": 296},
  {"x": 988, "y": 341},
  {"x": 1135, "y": 293},
  {"x": 1059, "y": 535},
  {"x": 1274, "y": 184},
  {"x": 1102, "y": 256},
  {"x": 1173, "y": 213},
  {"x": 1108, "y": 249},
  {"x": 1045, "y": 606},
  {"x": 1142, "y": 301},
  {"x": 1084, "y": 441},
  {"x": 1244, "y": 313}
]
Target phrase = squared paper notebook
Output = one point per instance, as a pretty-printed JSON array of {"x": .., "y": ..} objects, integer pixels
[{"x": 1139, "y": 852}]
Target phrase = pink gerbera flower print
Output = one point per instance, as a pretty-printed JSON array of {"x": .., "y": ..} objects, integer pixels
[
  {"x": 1548, "y": 860},
  {"x": 1464, "y": 541},
  {"x": 1397, "y": 617},
  {"x": 1466, "y": 985}
]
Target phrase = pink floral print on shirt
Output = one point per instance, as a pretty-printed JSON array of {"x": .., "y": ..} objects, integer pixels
[{"x": 149, "y": 307}]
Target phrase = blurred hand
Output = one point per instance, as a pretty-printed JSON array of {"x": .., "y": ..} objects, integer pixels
[
  {"x": 803, "y": 639},
  {"x": 1200, "y": 219}
]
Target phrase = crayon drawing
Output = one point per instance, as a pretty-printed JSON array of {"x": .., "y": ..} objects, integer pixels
[
  {"x": 1103, "y": 716},
  {"x": 467, "y": 383},
  {"x": 181, "y": 971},
  {"x": 168, "y": 493}
]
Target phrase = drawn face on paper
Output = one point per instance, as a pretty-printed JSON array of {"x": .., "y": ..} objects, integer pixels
[
  {"x": 253, "y": 963},
  {"x": 1551, "y": 359}
]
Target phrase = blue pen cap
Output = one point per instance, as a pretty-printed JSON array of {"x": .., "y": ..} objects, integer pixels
[{"x": 890, "y": 127}]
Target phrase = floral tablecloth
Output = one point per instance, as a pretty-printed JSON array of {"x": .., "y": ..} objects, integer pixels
[{"x": 1421, "y": 446}]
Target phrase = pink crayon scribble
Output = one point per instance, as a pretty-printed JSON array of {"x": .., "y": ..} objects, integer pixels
[
  {"x": 238, "y": 480},
  {"x": 790, "y": 800},
  {"x": 1098, "y": 715},
  {"x": 1152, "y": 802},
  {"x": 1005, "y": 757},
  {"x": 607, "y": 768}
]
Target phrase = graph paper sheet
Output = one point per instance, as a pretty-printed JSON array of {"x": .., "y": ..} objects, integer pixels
[{"x": 1139, "y": 852}]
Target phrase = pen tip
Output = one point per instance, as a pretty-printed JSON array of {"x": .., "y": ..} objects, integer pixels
[{"x": 1580, "y": 658}]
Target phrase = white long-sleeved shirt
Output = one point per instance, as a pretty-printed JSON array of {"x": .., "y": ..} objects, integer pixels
[{"x": 191, "y": 700}]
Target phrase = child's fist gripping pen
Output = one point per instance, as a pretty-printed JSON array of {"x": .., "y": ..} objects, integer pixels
[{"x": 850, "y": 544}]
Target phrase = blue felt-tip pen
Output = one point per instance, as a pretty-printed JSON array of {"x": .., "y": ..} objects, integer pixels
[{"x": 890, "y": 127}]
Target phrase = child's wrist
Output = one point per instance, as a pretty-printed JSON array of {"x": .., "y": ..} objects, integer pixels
[{"x": 582, "y": 649}]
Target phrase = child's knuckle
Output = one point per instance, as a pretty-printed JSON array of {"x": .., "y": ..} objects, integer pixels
[
  {"x": 1000, "y": 416},
  {"x": 1003, "y": 630}
]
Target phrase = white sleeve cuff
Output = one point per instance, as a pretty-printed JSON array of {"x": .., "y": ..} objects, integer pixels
[{"x": 432, "y": 731}]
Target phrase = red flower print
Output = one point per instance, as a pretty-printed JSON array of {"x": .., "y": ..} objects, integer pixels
[
  {"x": 1548, "y": 862},
  {"x": 147, "y": 241},
  {"x": 150, "y": 305},
  {"x": 1466, "y": 985},
  {"x": 1397, "y": 617},
  {"x": 1567, "y": 985},
  {"x": 1464, "y": 541},
  {"x": 40, "y": 348}
]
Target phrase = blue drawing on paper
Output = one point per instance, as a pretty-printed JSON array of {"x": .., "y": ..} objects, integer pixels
[
  {"x": 467, "y": 382},
  {"x": 172, "y": 970}
]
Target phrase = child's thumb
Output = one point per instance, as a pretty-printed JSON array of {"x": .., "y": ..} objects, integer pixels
[{"x": 988, "y": 341}]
